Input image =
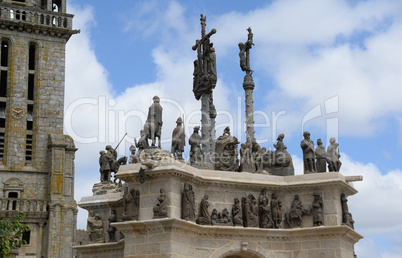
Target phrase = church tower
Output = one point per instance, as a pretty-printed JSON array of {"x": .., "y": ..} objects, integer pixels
[{"x": 36, "y": 159}]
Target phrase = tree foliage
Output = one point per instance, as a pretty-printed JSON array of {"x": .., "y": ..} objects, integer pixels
[{"x": 11, "y": 231}]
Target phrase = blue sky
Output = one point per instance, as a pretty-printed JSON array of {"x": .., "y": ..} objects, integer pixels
[{"x": 332, "y": 67}]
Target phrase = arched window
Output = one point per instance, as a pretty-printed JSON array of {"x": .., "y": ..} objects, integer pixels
[{"x": 56, "y": 5}]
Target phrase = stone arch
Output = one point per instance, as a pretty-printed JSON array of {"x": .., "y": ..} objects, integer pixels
[
  {"x": 13, "y": 185},
  {"x": 241, "y": 249}
]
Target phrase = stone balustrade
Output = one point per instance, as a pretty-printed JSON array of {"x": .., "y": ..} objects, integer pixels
[
  {"x": 34, "y": 16},
  {"x": 23, "y": 205}
]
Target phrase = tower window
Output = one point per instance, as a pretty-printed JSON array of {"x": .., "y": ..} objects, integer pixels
[
  {"x": 3, "y": 83},
  {"x": 31, "y": 82},
  {"x": 12, "y": 204},
  {"x": 30, "y": 106},
  {"x": 56, "y": 5},
  {"x": 26, "y": 237},
  {"x": 32, "y": 52},
  {"x": 4, "y": 53}
]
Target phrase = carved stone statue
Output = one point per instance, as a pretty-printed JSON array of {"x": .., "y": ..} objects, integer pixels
[
  {"x": 131, "y": 204},
  {"x": 104, "y": 167},
  {"x": 153, "y": 125},
  {"x": 245, "y": 158},
  {"x": 320, "y": 155},
  {"x": 244, "y": 52},
  {"x": 161, "y": 208},
  {"x": 178, "y": 140},
  {"x": 307, "y": 146},
  {"x": 204, "y": 218},
  {"x": 280, "y": 162},
  {"x": 95, "y": 228},
  {"x": 242, "y": 55},
  {"x": 334, "y": 164},
  {"x": 224, "y": 217},
  {"x": 276, "y": 208},
  {"x": 221, "y": 218},
  {"x": 250, "y": 211},
  {"x": 296, "y": 211},
  {"x": 346, "y": 215},
  {"x": 227, "y": 153},
  {"x": 214, "y": 216},
  {"x": 188, "y": 203},
  {"x": 318, "y": 217},
  {"x": 142, "y": 142},
  {"x": 114, "y": 164},
  {"x": 205, "y": 75},
  {"x": 237, "y": 214},
  {"x": 265, "y": 211},
  {"x": 195, "y": 147},
  {"x": 112, "y": 230},
  {"x": 133, "y": 156}
]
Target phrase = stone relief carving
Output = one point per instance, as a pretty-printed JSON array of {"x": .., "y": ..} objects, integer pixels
[
  {"x": 237, "y": 213},
  {"x": 276, "y": 208},
  {"x": 204, "y": 218},
  {"x": 112, "y": 230},
  {"x": 296, "y": 212},
  {"x": 161, "y": 208},
  {"x": 95, "y": 228},
  {"x": 346, "y": 215},
  {"x": 220, "y": 218},
  {"x": 188, "y": 202},
  {"x": 250, "y": 211},
  {"x": 318, "y": 208},
  {"x": 265, "y": 211},
  {"x": 131, "y": 204}
]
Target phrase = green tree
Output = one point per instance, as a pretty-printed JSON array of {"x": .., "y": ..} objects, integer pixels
[{"x": 11, "y": 231}]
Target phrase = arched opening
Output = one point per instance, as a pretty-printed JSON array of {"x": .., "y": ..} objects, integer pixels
[
  {"x": 56, "y": 6},
  {"x": 12, "y": 204}
]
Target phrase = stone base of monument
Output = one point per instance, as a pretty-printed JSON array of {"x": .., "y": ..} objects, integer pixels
[
  {"x": 175, "y": 237},
  {"x": 281, "y": 171},
  {"x": 105, "y": 188}
]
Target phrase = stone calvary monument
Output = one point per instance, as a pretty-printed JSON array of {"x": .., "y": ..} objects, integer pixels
[{"x": 224, "y": 201}]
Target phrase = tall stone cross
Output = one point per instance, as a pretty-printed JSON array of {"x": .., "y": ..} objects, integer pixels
[
  {"x": 248, "y": 84},
  {"x": 205, "y": 78}
]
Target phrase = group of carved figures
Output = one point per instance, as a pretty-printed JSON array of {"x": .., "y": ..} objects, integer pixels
[
  {"x": 261, "y": 212},
  {"x": 245, "y": 212},
  {"x": 315, "y": 160},
  {"x": 253, "y": 158}
]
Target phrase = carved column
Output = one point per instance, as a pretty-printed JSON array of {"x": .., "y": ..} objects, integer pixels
[
  {"x": 248, "y": 86},
  {"x": 206, "y": 125}
]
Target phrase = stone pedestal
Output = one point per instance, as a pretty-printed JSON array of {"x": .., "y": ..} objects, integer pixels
[{"x": 175, "y": 237}]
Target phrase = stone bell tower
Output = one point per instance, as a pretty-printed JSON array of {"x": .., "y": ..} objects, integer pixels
[{"x": 36, "y": 159}]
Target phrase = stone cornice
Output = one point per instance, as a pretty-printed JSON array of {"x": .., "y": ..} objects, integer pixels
[
  {"x": 130, "y": 173},
  {"x": 100, "y": 248},
  {"x": 252, "y": 234},
  {"x": 102, "y": 201}
]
